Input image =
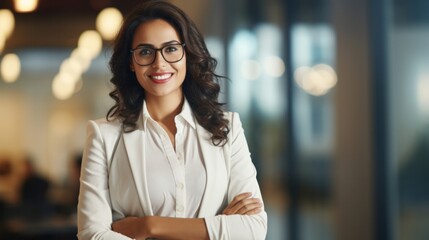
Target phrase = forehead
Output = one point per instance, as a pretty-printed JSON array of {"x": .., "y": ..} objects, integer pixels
[{"x": 155, "y": 32}]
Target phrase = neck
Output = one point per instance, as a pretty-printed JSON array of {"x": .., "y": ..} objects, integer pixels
[{"x": 164, "y": 109}]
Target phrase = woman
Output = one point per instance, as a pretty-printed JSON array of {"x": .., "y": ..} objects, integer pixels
[{"x": 167, "y": 163}]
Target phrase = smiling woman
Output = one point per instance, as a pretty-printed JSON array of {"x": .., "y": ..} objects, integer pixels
[{"x": 168, "y": 161}]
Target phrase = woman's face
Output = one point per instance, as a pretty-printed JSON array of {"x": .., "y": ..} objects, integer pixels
[{"x": 160, "y": 78}]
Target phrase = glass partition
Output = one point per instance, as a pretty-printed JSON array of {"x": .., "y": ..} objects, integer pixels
[{"x": 408, "y": 36}]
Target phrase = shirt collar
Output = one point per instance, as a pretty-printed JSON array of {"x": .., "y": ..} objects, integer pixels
[{"x": 186, "y": 114}]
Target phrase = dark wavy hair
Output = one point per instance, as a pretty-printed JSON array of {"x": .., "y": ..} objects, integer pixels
[{"x": 200, "y": 86}]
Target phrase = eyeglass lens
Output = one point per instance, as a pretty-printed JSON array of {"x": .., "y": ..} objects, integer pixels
[{"x": 146, "y": 55}]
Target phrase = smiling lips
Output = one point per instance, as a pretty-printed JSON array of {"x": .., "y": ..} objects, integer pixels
[{"x": 160, "y": 78}]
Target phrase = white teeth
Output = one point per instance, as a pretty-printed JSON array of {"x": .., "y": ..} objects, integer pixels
[{"x": 162, "y": 77}]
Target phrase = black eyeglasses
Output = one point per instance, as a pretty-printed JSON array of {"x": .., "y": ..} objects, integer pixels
[{"x": 145, "y": 55}]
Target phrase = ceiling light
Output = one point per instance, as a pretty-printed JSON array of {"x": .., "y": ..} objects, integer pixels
[
  {"x": 108, "y": 23},
  {"x": 25, "y": 5},
  {"x": 7, "y": 23},
  {"x": 91, "y": 43},
  {"x": 10, "y": 67}
]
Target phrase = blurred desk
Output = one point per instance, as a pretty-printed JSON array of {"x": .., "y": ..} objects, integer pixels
[{"x": 58, "y": 228}]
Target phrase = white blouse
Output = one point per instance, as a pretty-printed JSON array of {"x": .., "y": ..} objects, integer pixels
[
  {"x": 174, "y": 175},
  {"x": 139, "y": 173}
]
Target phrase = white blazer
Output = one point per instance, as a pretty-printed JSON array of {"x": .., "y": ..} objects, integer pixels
[{"x": 113, "y": 183}]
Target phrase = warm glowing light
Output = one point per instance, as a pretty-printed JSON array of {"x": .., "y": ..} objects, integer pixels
[
  {"x": 2, "y": 43},
  {"x": 313, "y": 83},
  {"x": 71, "y": 66},
  {"x": 10, "y": 67},
  {"x": 90, "y": 43},
  {"x": 250, "y": 69},
  {"x": 78, "y": 86},
  {"x": 317, "y": 80},
  {"x": 274, "y": 66},
  {"x": 25, "y": 5},
  {"x": 68, "y": 80},
  {"x": 63, "y": 86},
  {"x": 82, "y": 57},
  {"x": 327, "y": 74},
  {"x": 300, "y": 73},
  {"x": 108, "y": 23},
  {"x": 7, "y": 21}
]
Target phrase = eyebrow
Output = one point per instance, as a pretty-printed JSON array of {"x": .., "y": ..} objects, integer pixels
[{"x": 162, "y": 45}]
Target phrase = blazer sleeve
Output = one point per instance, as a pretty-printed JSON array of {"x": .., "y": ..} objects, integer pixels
[
  {"x": 242, "y": 179},
  {"x": 94, "y": 209}
]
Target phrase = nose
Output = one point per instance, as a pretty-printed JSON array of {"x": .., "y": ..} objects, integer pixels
[{"x": 159, "y": 59}]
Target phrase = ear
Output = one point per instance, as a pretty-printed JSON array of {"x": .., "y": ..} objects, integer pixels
[{"x": 132, "y": 66}]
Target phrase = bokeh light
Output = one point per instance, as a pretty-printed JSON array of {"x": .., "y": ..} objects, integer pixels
[
  {"x": 108, "y": 23},
  {"x": 10, "y": 67},
  {"x": 274, "y": 66},
  {"x": 316, "y": 80},
  {"x": 7, "y": 21},
  {"x": 25, "y": 5},
  {"x": 90, "y": 43}
]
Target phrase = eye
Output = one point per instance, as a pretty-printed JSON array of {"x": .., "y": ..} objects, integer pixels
[
  {"x": 145, "y": 51},
  {"x": 171, "y": 48}
]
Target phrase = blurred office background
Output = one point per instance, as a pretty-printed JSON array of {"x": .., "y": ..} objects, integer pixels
[{"x": 333, "y": 95}]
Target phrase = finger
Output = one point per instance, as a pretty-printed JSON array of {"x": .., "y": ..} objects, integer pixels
[
  {"x": 253, "y": 212},
  {"x": 239, "y": 198},
  {"x": 246, "y": 205},
  {"x": 249, "y": 209},
  {"x": 235, "y": 200},
  {"x": 241, "y": 204}
]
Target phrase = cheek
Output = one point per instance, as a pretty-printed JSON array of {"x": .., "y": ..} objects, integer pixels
[
  {"x": 139, "y": 71},
  {"x": 182, "y": 72},
  {"x": 182, "y": 68},
  {"x": 140, "y": 75}
]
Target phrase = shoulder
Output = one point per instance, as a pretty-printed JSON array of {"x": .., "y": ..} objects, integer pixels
[
  {"x": 107, "y": 125},
  {"x": 104, "y": 127},
  {"x": 234, "y": 122},
  {"x": 232, "y": 117}
]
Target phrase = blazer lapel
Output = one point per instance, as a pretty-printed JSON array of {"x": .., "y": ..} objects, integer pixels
[
  {"x": 134, "y": 146},
  {"x": 212, "y": 169}
]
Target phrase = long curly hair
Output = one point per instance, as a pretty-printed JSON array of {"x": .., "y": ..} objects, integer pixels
[{"x": 200, "y": 86}]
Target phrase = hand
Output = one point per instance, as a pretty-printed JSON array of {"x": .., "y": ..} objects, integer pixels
[
  {"x": 133, "y": 227},
  {"x": 243, "y": 204}
]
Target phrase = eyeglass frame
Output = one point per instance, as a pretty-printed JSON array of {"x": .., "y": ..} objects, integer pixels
[{"x": 156, "y": 50}]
